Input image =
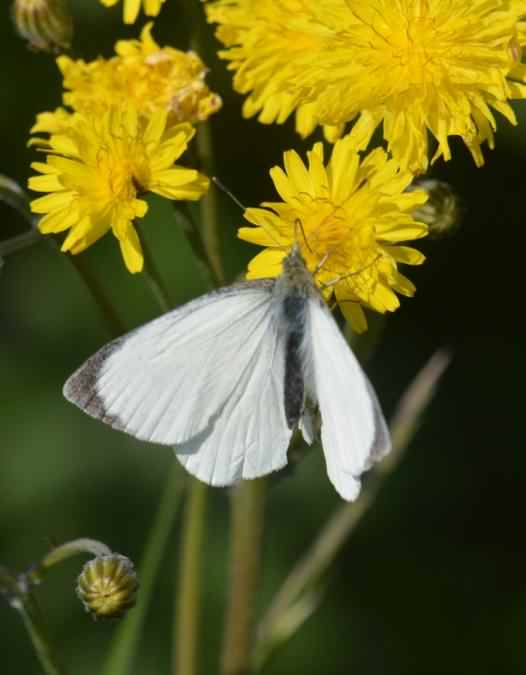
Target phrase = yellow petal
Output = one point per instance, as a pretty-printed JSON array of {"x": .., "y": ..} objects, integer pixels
[
  {"x": 131, "y": 251},
  {"x": 52, "y": 202},
  {"x": 353, "y": 314},
  {"x": 396, "y": 232},
  {"x": 267, "y": 264},
  {"x": 131, "y": 10},
  {"x": 46, "y": 183},
  {"x": 405, "y": 254},
  {"x": 58, "y": 221}
]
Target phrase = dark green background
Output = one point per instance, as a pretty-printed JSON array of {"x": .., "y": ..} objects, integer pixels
[{"x": 434, "y": 579}]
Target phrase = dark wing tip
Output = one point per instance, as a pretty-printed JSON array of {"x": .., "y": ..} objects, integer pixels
[{"x": 81, "y": 387}]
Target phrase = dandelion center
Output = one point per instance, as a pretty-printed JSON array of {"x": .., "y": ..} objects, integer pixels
[{"x": 331, "y": 241}]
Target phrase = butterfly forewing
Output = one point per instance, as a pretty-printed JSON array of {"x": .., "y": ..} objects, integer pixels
[{"x": 169, "y": 380}]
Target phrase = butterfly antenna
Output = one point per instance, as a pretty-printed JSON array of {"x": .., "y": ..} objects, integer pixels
[
  {"x": 236, "y": 201},
  {"x": 222, "y": 187},
  {"x": 328, "y": 284},
  {"x": 299, "y": 226}
]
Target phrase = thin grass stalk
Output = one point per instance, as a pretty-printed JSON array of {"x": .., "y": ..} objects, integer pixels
[{"x": 309, "y": 569}]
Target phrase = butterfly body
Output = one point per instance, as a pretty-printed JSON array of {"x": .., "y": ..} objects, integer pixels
[{"x": 229, "y": 377}]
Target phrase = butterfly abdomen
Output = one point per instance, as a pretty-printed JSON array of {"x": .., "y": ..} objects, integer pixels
[{"x": 294, "y": 312}]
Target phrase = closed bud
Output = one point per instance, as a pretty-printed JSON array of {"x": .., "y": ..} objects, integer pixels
[
  {"x": 441, "y": 212},
  {"x": 46, "y": 24},
  {"x": 107, "y": 586}
]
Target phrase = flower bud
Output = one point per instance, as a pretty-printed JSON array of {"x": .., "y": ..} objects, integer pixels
[
  {"x": 441, "y": 212},
  {"x": 46, "y": 24},
  {"x": 107, "y": 586}
]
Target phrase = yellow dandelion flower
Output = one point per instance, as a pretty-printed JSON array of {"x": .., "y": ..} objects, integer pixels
[
  {"x": 348, "y": 218},
  {"x": 98, "y": 169},
  {"x": 420, "y": 68},
  {"x": 131, "y": 8},
  {"x": 147, "y": 75}
]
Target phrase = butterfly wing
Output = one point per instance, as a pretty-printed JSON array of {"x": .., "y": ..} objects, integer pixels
[
  {"x": 206, "y": 377},
  {"x": 353, "y": 430}
]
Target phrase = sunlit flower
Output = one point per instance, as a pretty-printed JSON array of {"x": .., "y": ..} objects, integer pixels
[
  {"x": 347, "y": 218},
  {"x": 417, "y": 67},
  {"x": 131, "y": 8},
  {"x": 46, "y": 24},
  {"x": 97, "y": 171},
  {"x": 147, "y": 75}
]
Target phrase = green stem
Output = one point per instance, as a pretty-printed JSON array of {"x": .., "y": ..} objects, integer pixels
[
  {"x": 208, "y": 204},
  {"x": 36, "y": 629},
  {"x": 199, "y": 41},
  {"x": 153, "y": 277},
  {"x": 18, "y": 595},
  {"x": 189, "y": 587},
  {"x": 99, "y": 295},
  {"x": 63, "y": 552},
  {"x": 127, "y": 637},
  {"x": 194, "y": 236},
  {"x": 19, "y": 242},
  {"x": 247, "y": 506},
  {"x": 306, "y": 573}
]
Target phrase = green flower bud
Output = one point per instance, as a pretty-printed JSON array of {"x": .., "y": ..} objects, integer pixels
[
  {"x": 442, "y": 211},
  {"x": 107, "y": 586},
  {"x": 46, "y": 24}
]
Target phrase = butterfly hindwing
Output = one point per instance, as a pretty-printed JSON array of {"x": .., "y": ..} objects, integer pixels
[{"x": 353, "y": 430}]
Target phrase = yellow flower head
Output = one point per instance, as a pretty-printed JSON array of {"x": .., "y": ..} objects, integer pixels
[
  {"x": 420, "y": 67},
  {"x": 131, "y": 8},
  {"x": 347, "y": 218},
  {"x": 148, "y": 76},
  {"x": 97, "y": 170}
]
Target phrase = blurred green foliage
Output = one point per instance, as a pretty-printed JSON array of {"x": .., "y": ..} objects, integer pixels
[{"x": 434, "y": 579}]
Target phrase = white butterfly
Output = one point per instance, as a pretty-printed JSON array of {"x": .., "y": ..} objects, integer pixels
[{"x": 228, "y": 378}]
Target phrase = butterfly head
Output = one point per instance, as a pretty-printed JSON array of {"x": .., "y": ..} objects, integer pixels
[{"x": 296, "y": 275}]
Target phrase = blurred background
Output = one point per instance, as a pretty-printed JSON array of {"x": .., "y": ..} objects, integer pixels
[{"x": 434, "y": 579}]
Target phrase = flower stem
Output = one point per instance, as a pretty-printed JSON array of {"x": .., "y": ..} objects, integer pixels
[
  {"x": 63, "y": 552},
  {"x": 199, "y": 41},
  {"x": 194, "y": 236},
  {"x": 208, "y": 204},
  {"x": 153, "y": 277},
  {"x": 19, "y": 242},
  {"x": 18, "y": 595},
  {"x": 36, "y": 629},
  {"x": 126, "y": 639},
  {"x": 307, "y": 572},
  {"x": 247, "y": 506},
  {"x": 189, "y": 586},
  {"x": 107, "y": 310}
]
